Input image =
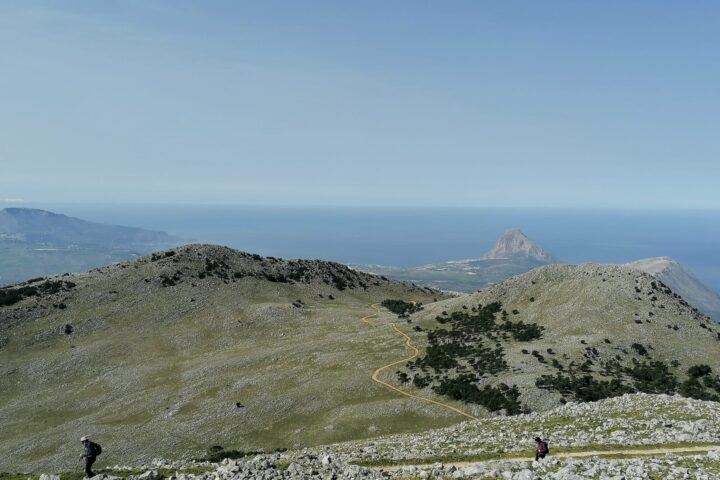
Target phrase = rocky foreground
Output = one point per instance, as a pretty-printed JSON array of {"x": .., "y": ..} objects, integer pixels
[
  {"x": 670, "y": 466},
  {"x": 615, "y": 423},
  {"x": 636, "y": 436}
]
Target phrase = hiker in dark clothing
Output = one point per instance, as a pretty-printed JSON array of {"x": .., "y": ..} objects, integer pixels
[
  {"x": 541, "y": 448},
  {"x": 90, "y": 455}
]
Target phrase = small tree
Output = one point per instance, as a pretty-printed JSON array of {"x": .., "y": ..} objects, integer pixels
[{"x": 697, "y": 371}]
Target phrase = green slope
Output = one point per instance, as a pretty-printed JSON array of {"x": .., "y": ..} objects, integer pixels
[
  {"x": 164, "y": 349},
  {"x": 596, "y": 321}
]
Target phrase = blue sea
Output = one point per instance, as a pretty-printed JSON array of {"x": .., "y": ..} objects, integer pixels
[{"x": 414, "y": 236}]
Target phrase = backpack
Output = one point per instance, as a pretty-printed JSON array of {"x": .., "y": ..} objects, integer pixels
[
  {"x": 96, "y": 448},
  {"x": 543, "y": 448}
]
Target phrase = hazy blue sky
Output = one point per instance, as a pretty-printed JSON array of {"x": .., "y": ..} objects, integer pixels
[{"x": 478, "y": 103}]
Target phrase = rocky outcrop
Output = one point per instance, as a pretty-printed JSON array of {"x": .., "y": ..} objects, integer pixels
[
  {"x": 682, "y": 281},
  {"x": 515, "y": 244}
]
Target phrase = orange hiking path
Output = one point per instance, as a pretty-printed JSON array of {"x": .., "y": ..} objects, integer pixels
[{"x": 408, "y": 343}]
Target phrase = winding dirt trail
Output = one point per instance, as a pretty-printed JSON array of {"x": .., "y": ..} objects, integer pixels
[
  {"x": 631, "y": 452},
  {"x": 408, "y": 343}
]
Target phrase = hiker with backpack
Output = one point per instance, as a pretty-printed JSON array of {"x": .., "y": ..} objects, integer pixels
[
  {"x": 92, "y": 450},
  {"x": 541, "y": 448}
]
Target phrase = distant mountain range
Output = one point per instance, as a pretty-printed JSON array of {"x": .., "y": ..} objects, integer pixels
[
  {"x": 514, "y": 253},
  {"x": 37, "y": 243},
  {"x": 40, "y": 227}
]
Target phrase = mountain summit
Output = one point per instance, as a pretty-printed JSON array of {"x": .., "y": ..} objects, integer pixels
[{"x": 515, "y": 244}]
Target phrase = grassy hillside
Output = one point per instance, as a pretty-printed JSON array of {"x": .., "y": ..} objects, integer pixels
[
  {"x": 562, "y": 333},
  {"x": 178, "y": 351}
]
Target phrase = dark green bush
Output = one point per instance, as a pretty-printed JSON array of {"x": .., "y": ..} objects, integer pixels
[
  {"x": 420, "y": 382},
  {"x": 523, "y": 332},
  {"x": 699, "y": 370},
  {"x": 401, "y": 307},
  {"x": 653, "y": 377},
  {"x": 584, "y": 388},
  {"x": 10, "y": 296},
  {"x": 493, "y": 398},
  {"x": 693, "y": 389},
  {"x": 712, "y": 382},
  {"x": 639, "y": 349}
]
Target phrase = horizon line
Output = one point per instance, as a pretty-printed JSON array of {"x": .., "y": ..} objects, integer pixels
[{"x": 40, "y": 205}]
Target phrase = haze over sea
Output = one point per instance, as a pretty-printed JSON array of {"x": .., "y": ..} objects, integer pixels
[{"x": 415, "y": 236}]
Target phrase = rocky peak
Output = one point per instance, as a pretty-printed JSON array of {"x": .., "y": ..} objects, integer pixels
[
  {"x": 682, "y": 281},
  {"x": 654, "y": 265},
  {"x": 515, "y": 244}
]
